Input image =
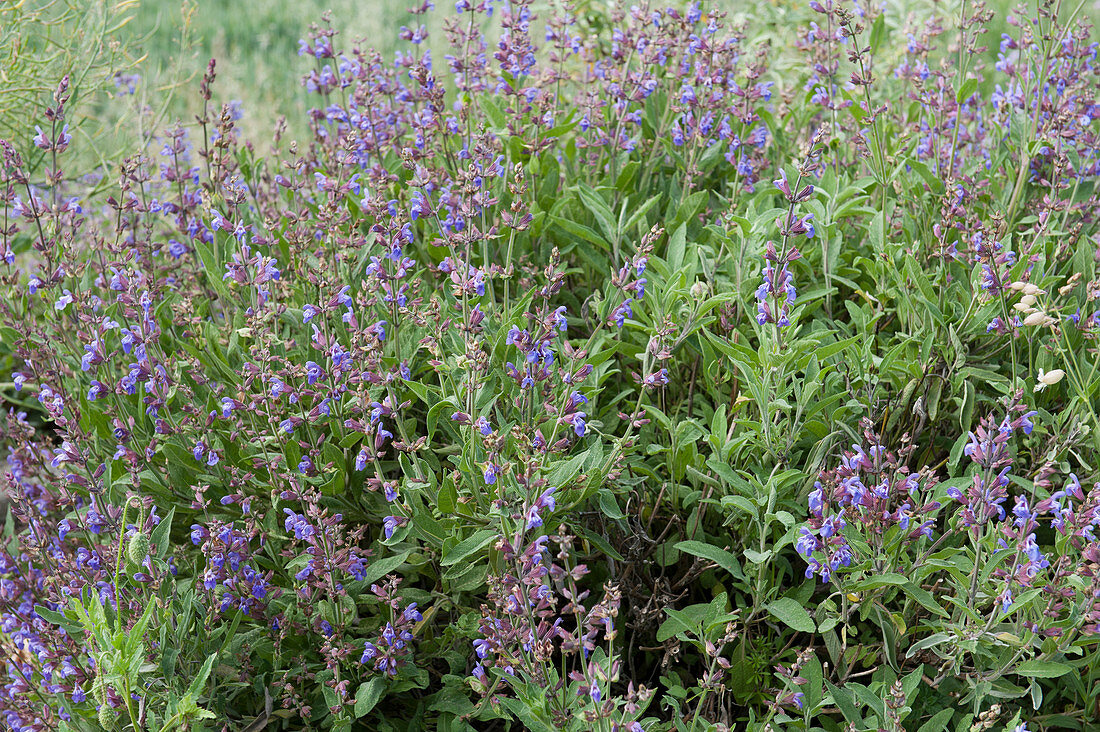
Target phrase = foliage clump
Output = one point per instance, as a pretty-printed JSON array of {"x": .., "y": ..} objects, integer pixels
[{"x": 614, "y": 371}]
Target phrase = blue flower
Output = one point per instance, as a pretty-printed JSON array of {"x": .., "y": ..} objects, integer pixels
[
  {"x": 622, "y": 312},
  {"x": 297, "y": 524},
  {"x": 198, "y": 534},
  {"x": 305, "y": 572},
  {"x": 390, "y": 524}
]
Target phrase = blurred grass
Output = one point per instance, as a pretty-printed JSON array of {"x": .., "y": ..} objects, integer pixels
[
  {"x": 43, "y": 41},
  {"x": 256, "y": 43},
  {"x": 256, "y": 47}
]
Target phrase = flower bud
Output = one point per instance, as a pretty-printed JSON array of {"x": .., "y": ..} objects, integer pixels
[
  {"x": 699, "y": 290},
  {"x": 138, "y": 548},
  {"x": 1027, "y": 300},
  {"x": 1036, "y": 318},
  {"x": 1050, "y": 378},
  {"x": 106, "y": 717}
]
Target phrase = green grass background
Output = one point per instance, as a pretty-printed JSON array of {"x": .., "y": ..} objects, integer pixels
[{"x": 256, "y": 41}]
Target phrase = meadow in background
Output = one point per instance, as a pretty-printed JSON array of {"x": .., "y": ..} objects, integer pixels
[{"x": 552, "y": 367}]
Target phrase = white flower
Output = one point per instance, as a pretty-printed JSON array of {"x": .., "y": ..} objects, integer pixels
[
  {"x": 1049, "y": 378},
  {"x": 1036, "y": 318}
]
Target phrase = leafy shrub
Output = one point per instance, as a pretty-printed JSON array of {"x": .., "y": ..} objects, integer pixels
[{"x": 621, "y": 383}]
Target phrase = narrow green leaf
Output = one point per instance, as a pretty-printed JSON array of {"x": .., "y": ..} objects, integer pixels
[
  {"x": 938, "y": 722},
  {"x": 367, "y": 696},
  {"x": 721, "y": 557},
  {"x": 470, "y": 545},
  {"x": 792, "y": 614},
  {"x": 1041, "y": 669},
  {"x": 845, "y": 702},
  {"x": 379, "y": 568},
  {"x": 199, "y": 682}
]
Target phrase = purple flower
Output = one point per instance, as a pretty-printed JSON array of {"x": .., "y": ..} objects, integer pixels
[
  {"x": 96, "y": 390},
  {"x": 305, "y": 572},
  {"x": 297, "y": 524},
  {"x": 64, "y": 301},
  {"x": 391, "y": 524},
  {"x": 622, "y": 312}
]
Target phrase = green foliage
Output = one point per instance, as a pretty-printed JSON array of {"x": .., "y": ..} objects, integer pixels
[{"x": 658, "y": 491}]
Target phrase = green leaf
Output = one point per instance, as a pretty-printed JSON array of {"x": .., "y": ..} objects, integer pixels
[
  {"x": 52, "y": 616},
  {"x": 471, "y": 544},
  {"x": 367, "y": 695},
  {"x": 447, "y": 498},
  {"x": 924, "y": 598},
  {"x": 527, "y": 714},
  {"x": 601, "y": 543},
  {"x": 756, "y": 557},
  {"x": 721, "y": 557},
  {"x": 685, "y": 621},
  {"x": 938, "y": 722},
  {"x": 1043, "y": 669},
  {"x": 638, "y": 214},
  {"x": 211, "y": 269},
  {"x": 933, "y": 640},
  {"x": 609, "y": 506},
  {"x": 199, "y": 682},
  {"x": 677, "y": 245},
  {"x": 161, "y": 537},
  {"x": 966, "y": 90},
  {"x": 881, "y": 580},
  {"x": 582, "y": 232},
  {"x": 792, "y": 614},
  {"x": 379, "y": 568},
  {"x": 845, "y": 702},
  {"x": 598, "y": 207}
]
